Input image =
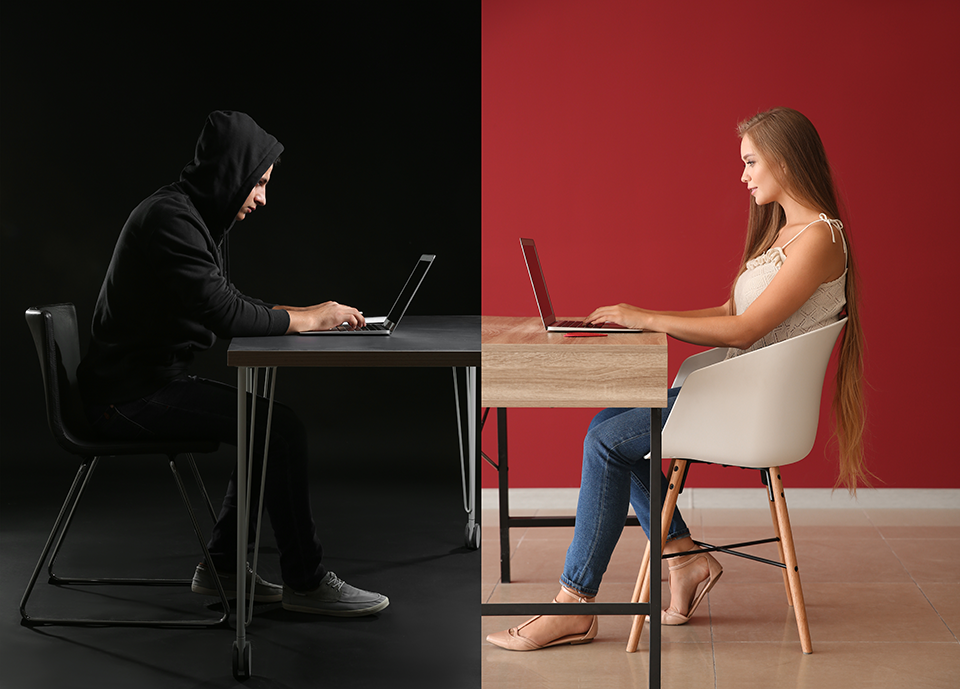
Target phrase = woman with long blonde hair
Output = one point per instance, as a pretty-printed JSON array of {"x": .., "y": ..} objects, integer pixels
[{"x": 797, "y": 275}]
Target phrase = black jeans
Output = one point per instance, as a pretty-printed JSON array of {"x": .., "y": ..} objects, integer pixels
[{"x": 196, "y": 408}]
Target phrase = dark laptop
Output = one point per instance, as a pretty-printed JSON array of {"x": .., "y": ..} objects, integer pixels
[
  {"x": 542, "y": 296},
  {"x": 392, "y": 319}
]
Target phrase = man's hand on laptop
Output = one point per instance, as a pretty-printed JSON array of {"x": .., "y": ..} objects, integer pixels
[{"x": 324, "y": 316}]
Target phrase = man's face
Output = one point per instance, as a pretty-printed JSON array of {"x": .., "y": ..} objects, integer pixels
[{"x": 257, "y": 197}]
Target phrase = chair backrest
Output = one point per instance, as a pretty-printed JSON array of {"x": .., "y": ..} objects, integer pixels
[
  {"x": 759, "y": 409},
  {"x": 698, "y": 361},
  {"x": 55, "y": 335}
]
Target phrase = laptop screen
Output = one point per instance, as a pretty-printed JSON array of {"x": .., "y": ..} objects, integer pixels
[
  {"x": 538, "y": 281},
  {"x": 413, "y": 283}
]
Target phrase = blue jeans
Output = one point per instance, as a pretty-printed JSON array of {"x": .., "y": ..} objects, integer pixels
[
  {"x": 615, "y": 475},
  {"x": 202, "y": 409}
]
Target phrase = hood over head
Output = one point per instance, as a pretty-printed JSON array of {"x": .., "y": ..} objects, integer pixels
[{"x": 231, "y": 156}]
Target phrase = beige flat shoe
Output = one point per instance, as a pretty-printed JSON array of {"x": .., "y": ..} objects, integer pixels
[
  {"x": 671, "y": 616},
  {"x": 513, "y": 640}
]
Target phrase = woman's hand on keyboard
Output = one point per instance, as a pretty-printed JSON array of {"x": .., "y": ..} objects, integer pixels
[{"x": 622, "y": 314}]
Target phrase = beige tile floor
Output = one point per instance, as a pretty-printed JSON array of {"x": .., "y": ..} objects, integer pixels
[{"x": 882, "y": 590}]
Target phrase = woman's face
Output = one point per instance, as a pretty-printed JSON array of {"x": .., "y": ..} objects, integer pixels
[{"x": 757, "y": 174}]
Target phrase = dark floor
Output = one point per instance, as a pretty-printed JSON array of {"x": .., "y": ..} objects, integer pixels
[{"x": 387, "y": 523}]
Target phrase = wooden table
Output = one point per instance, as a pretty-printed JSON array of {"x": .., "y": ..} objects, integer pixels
[
  {"x": 419, "y": 341},
  {"x": 525, "y": 366}
]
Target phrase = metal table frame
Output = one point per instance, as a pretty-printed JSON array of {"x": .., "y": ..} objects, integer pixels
[
  {"x": 515, "y": 344},
  {"x": 425, "y": 341},
  {"x": 650, "y": 608}
]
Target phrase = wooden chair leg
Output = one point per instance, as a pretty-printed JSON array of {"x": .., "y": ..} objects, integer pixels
[
  {"x": 641, "y": 593},
  {"x": 776, "y": 533},
  {"x": 647, "y": 575},
  {"x": 790, "y": 555}
]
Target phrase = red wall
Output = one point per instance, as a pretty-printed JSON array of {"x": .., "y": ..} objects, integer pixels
[{"x": 608, "y": 135}]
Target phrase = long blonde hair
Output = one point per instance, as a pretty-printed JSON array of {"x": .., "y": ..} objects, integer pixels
[{"x": 790, "y": 145}]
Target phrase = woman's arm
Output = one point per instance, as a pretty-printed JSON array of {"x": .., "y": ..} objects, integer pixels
[
  {"x": 813, "y": 260},
  {"x": 713, "y": 327},
  {"x": 722, "y": 310}
]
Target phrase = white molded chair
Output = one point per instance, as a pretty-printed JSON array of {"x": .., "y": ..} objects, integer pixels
[{"x": 759, "y": 410}]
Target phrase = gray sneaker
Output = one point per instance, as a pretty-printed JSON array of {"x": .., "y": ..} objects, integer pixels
[
  {"x": 334, "y": 597},
  {"x": 263, "y": 592}
]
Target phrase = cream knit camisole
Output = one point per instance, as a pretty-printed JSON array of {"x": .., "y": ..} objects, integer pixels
[{"x": 821, "y": 309}]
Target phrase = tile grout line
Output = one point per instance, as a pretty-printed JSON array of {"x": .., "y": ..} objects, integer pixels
[
  {"x": 895, "y": 642},
  {"x": 912, "y": 578},
  {"x": 704, "y": 497},
  {"x": 713, "y": 644}
]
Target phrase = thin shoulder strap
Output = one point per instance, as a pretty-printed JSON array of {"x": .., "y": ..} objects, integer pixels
[{"x": 833, "y": 223}]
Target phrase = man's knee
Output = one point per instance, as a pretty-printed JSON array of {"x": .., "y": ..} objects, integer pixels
[{"x": 287, "y": 425}]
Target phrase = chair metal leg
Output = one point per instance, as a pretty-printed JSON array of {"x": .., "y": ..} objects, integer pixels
[
  {"x": 86, "y": 469},
  {"x": 201, "y": 486},
  {"x": 790, "y": 560},
  {"x": 203, "y": 544},
  {"x": 58, "y": 534},
  {"x": 61, "y": 580},
  {"x": 68, "y": 505},
  {"x": 675, "y": 477}
]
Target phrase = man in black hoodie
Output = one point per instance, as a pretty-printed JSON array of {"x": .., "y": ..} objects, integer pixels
[{"x": 167, "y": 295}]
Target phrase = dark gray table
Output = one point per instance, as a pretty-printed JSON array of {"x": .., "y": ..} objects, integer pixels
[{"x": 418, "y": 341}]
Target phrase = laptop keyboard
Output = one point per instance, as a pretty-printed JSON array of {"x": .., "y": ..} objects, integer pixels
[
  {"x": 369, "y": 326},
  {"x": 581, "y": 324}
]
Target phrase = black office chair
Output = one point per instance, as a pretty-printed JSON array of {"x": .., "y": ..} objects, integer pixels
[{"x": 55, "y": 335}]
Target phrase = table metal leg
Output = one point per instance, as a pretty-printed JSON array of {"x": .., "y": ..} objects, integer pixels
[
  {"x": 241, "y": 649},
  {"x": 503, "y": 493},
  {"x": 269, "y": 391},
  {"x": 651, "y": 607},
  {"x": 247, "y": 385},
  {"x": 473, "y": 437},
  {"x": 468, "y": 472},
  {"x": 656, "y": 548}
]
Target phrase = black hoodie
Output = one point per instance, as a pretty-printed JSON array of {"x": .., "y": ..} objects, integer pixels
[{"x": 166, "y": 294}]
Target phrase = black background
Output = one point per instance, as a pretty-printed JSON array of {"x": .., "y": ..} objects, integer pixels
[{"x": 374, "y": 103}]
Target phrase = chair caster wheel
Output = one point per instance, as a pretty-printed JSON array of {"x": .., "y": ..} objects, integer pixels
[
  {"x": 241, "y": 662},
  {"x": 471, "y": 536}
]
